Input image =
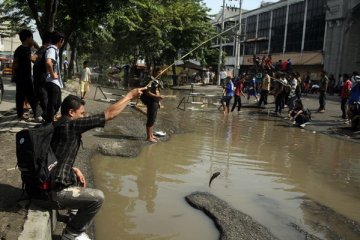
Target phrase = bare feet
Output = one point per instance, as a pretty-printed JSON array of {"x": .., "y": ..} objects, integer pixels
[{"x": 152, "y": 140}]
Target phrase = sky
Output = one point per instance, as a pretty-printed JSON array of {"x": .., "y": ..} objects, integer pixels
[{"x": 215, "y": 5}]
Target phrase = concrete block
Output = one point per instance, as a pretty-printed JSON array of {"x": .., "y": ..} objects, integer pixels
[
  {"x": 53, "y": 217},
  {"x": 38, "y": 225}
]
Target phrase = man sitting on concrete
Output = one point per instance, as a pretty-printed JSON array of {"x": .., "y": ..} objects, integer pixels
[{"x": 68, "y": 183}]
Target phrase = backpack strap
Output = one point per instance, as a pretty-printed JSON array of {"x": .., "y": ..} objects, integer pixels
[
  {"x": 58, "y": 123},
  {"x": 56, "y": 54}
]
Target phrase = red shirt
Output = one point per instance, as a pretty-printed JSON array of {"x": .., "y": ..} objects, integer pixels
[
  {"x": 346, "y": 89},
  {"x": 284, "y": 66},
  {"x": 239, "y": 87},
  {"x": 268, "y": 63}
]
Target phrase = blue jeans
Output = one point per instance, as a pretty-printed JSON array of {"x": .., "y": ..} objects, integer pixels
[{"x": 87, "y": 201}]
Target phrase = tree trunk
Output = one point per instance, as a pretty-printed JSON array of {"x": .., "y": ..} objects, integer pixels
[
  {"x": 46, "y": 21},
  {"x": 51, "y": 7},
  {"x": 72, "y": 56}
]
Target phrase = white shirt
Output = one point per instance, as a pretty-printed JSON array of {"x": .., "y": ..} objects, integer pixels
[
  {"x": 223, "y": 74},
  {"x": 293, "y": 87},
  {"x": 52, "y": 52},
  {"x": 85, "y": 74}
]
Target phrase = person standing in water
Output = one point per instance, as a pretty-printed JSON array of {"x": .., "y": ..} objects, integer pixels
[
  {"x": 152, "y": 98},
  {"x": 228, "y": 94},
  {"x": 239, "y": 85}
]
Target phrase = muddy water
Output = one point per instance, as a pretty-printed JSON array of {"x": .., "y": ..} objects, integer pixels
[{"x": 269, "y": 170}]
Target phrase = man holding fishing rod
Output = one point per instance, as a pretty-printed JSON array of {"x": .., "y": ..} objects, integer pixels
[
  {"x": 151, "y": 98},
  {"x": 68, "y": 185}
]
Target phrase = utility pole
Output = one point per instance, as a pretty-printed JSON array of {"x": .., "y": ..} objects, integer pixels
[
  {"x": 238, "y": 43},
  {"x": 286, "y": 26},
  {"x": 11, "y": 45},
  {"x": 220, "y": 50}
]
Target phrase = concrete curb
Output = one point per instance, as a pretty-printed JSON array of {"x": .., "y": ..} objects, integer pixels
[{"x": 39, "y": 224}]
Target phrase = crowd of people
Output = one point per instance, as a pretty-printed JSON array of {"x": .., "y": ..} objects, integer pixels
[
  {"x": 38, "y": 78},
  {"x": 286, "y": 94},
  {"x": 287, "y": 87},
  {"x": 41, "y": 84}
]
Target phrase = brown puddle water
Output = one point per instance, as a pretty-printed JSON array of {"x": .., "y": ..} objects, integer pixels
[{"x": 269, "y": 170}]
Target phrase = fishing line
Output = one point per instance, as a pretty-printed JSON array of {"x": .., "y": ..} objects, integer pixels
[
  {"x": 193, "y": 50},
  {"x": 153, "y": 79}
]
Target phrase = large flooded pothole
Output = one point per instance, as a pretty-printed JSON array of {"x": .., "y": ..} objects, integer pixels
[{"x": 289, "y": 180}]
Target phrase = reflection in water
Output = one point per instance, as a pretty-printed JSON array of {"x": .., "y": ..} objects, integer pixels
[
  {"x": 146, "y": 182},
  {"x": 269, "y": 170}
]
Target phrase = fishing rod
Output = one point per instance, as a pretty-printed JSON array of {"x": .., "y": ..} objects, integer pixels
[
  {"x": 154, "y": 79},
  {"x": 190, "y": 52}
]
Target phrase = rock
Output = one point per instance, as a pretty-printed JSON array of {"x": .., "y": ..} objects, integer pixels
[
  {"x": 120, "y": 148},
  {"x": 231, "y": 223}
]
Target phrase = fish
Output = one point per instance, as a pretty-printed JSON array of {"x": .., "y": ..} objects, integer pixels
[{"x": 215, "y": 174}]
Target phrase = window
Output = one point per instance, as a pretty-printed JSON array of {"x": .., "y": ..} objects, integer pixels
[
  {"x": 264, "y": 25},
  {"x": 262, "y": 47},
  {"x": 278, "y": 30},
  {"x": 295, "y": 27},
  {"x": 249, "y": 48},
  {"x": 263, "y": 32},
  {"x": 315, "y": 25},
  {"x": 229, "y": 51},
  {"x": 251, "y": 27}
]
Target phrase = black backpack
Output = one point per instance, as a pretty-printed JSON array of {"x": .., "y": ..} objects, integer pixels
[
  {"x": 39, "y": 68},
  {"x": 35, "y": 159}
]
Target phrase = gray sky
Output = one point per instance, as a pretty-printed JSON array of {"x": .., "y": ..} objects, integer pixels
[{"x": 215, "y": 5}]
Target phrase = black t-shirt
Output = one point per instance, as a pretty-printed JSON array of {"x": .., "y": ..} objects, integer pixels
[
  {"x": 153, "y": 88},
  {"x": 22, "y": 57}
]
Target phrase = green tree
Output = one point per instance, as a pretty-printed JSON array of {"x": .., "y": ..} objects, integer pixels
[
  {"x": 159, "y": 31},
  {"x": 74, "y": 18},
  {"x": 189, "y": 27},
  {"x": 20, "y": 13}
]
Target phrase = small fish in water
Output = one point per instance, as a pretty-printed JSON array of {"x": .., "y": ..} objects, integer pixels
[{"x": 213, "y": 177}]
